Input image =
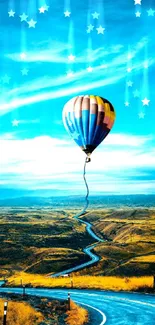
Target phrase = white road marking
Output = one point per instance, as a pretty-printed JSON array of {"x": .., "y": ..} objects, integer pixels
[
  {"x": 132, "y": 301},
  {"x": 98, "y": 310}
]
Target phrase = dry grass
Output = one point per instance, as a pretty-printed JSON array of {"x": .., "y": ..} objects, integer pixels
[
  {"x": 86, "y": 282},
  {"x": 144, "y": 259},
  {"x": 77, "y": 315},
  {"x": 20, "y": 313},
  {"x": 41, "y": 241},
  {"x": 125, "y": 222}
]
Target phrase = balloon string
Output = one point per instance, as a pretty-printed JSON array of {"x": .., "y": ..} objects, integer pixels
[{"x": 87, "y": 188}]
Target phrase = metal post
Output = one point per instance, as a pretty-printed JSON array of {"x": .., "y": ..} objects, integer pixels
[
  {"x": 5, "y": 312},
  {"x": 21, "y": 282},
  {"x": 71, "y": 283},
  {"x": 153, "y": 281},
  {"x": 69, "y": 301},
  {"x": 23, "y": 290}
]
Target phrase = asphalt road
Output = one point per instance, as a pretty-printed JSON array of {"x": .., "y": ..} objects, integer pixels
[
  {"x": 89, "y": 229},
  {"x": 88, "y": 251},
  {"x": 93, "y": 259},
  {"x": 105, "y": 307}
]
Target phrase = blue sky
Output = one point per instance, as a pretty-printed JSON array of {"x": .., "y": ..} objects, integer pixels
[{"x": 113, "y": 57}]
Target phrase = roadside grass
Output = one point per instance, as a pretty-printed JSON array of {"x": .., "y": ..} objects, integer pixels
[
  {"x": 40, "y": 240},
  {"x": 76, "y": 315},
  {"x": 20, "y": 313},
  {"x": 144, "y": 259},
  {"x": 83, "y": 282}
]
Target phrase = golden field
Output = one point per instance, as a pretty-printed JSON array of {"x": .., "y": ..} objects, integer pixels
[
  {"x": 41, "y": 311},
  {"x": 129, "y": 244},
  {"x": 40, "y": 240},
  {"x": 46, "y": 241},
  {"x": 84, "y": 282},
  {"x": 20, "y": 313}
]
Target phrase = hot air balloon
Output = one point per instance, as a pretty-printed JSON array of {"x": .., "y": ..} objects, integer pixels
[{"x": 88, "y": 119}]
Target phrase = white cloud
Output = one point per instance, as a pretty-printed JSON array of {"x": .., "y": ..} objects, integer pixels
[
  {"x": 127, "y": 140},
  {"x": 45, "y": 162}
]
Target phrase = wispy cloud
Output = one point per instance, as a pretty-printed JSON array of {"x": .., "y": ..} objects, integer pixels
[
  {"x": 57, "y": 93},
  {"x": 45, "y": 88},
  {"x": 46, "y": 51},
  {"x": 45, "y": 162},
  {"x": 55, "y": 52}
]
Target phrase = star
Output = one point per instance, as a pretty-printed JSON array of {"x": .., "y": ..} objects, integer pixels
[
  {"x": 129, "y": 70},
  {"x": 138, "y": 14},
  {"x": 67, "y": 13},
  {"x": 95, "y": 15},
  {"x": 137, "y": 2},
  {"x": 136, "y": 93},
  {"x": 41, "y": 10},
  {"x": 126, "y": 104},
  {"x": 15, "y": 123},
  {"x": 145, "y": 101},
  {"x": 90, "y": 28},
  {"x": 75, "y": 135},
  {"x": 31, "y": 23},
  {"x": 100, "y": 30},
  {"x": 71, "y": 57},
  {"x": 151, "y": 12},
  {"x": 46, "y": 7},
  {"x": 89, "y": 69},
  {"x": 129, "y": 83},
  {"x": 23, "y": 56},
  {"x": 141, "y": 115},
  {"x": 6, "y": 79},
  {"x": 24, "y": 72},
  {"x": 23, "y": 17},
  {"x": 11, "y": 13},
  {"x": 88, "y": 31}
]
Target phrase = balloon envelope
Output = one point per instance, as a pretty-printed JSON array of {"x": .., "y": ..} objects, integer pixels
[{"x": 88, "y": 119}]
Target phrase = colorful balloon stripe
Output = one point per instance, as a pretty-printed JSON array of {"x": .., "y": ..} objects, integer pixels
[{"x": 88, "y": 119}]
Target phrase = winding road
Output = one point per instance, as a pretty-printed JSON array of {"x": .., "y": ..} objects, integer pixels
[
  {"x": 110, "y": 308},
  {"x": 88, "y": 250},
  {"x": 104, "y": 307}
]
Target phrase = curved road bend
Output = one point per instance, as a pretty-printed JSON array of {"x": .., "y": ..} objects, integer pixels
[
  {"x": 108, "y": 308},
  {"x": 88, "y": 251},
  {"x": 93, "y": 259}
]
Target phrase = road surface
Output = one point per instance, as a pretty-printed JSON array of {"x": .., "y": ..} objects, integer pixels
[
  {"x": 105, "y": 307},
  {"x": 88, "y": 250},
  {"x": 93, "y": 259}
]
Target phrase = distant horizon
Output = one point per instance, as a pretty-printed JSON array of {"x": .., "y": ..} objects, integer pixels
[
  {"x": 78, "y": 201},
  {"x": 21, "y": 193}
]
